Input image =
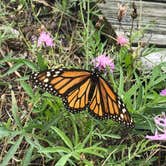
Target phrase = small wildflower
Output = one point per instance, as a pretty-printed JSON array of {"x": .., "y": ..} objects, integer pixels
[
  {"x": 157, "y": 136},
  {"x": 121, "y": 40},
  {"x": 160, "y": 133},
  {"x": 102, "y": 62},
  {"x": 45, "y": 39},
  {"x": 163, "y": 92}
]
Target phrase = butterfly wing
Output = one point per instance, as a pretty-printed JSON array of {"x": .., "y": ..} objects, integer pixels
[
  {"x": 106, "y": 104},
  {"x": 73, "y": 85},
  {"x": 81, "y": 88}
]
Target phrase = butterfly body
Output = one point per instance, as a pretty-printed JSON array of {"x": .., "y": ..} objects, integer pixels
[{"x": 81, "y": 89}]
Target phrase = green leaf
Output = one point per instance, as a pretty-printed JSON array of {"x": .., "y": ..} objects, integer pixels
[
  {"x": 27, "y": 88},
  {"x": 56, "y": 149},
  {"x": 63, "y": 137},
  {"x": 4, "y": 132},
  {"x": 92, "y": 150},
  {"x": 63, "y": 160},
  {"x": 11, "y": 152},
  {"x": 15, "y": 110},
  {"x": 31, "y": 65},
  {"x": 28, "y": 156},
  {"x": 5, "y": 59},
  {"x": 24, "y": 78},
  {"x": 76, "y": 135},
  {"x": 41, "y": 62},
  {"x": 13, "y": 68},
  {"x": 139, "y": 98},
  {"x": 35, "y": 142},
  {"x": 131, "y": 91},
  {"x": 121, "y": 83}
]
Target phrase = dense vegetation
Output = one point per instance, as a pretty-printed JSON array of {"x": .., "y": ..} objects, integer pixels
[{"x": 35, "y": 127}]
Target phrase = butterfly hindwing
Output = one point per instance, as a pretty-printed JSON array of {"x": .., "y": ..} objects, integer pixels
[
  {"x": 112, "y": 104},
  {"x": 96, "y": 106}
]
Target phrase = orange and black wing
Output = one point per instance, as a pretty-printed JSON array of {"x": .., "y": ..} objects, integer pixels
[
  {"x": 81, "y": 88},
  {"x": 106, "y": 104},
  {"x": 72, "y": 85}
]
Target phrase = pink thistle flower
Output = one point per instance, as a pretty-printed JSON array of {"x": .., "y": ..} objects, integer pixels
[
  {"x": 102, "y": 62},
  {"x": 45, "y": 38},
  {"x": 121, "y": 40},
  {"x": 163, "y": 92},
  {"x": 157, "y": 136},
  {"x": 160, "y": 133}
]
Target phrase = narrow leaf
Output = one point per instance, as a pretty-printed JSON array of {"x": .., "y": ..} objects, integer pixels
[
  {"x": 27, "y": 88},
  {"x": 11, "y": 152},
  {"x": 15, "y": 110},
  {"x": 31, "y": 65},
  {"x": 28, "y": 156},
  {"x": 63, "y": 160},
  {"x": 4, "y": 132},
  {"x": 13, "y": 68},
  {"x": 121, "y": 83},
  {"x": 64, "y": 137},
  {"x": 55, "y": 149}
]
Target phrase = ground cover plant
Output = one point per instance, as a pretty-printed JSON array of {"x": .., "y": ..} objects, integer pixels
[{"x": 36, "y": 128}]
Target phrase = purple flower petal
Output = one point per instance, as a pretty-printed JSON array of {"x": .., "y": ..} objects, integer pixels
[
  {"x": 121, "y": 40},
  {"x": 45, "y": 39},
  {"x": 163, "y": 92},
  {"x": 160, "y": 133},
  {"x": 102, "y": 62},
  {"x": 161, "y": 137}
]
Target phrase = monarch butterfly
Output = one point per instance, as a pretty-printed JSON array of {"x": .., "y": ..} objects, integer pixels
[{"x": 80, "y": 89}]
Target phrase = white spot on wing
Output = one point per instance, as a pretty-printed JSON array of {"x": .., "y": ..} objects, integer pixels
[
  {"x": 124, "y": 110},
  {"x": 122, "y": 116},
  {"x": 46, "y": 80},
  {"x": 56, "y": 73},
  {"x": 48, "y": 74}
]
